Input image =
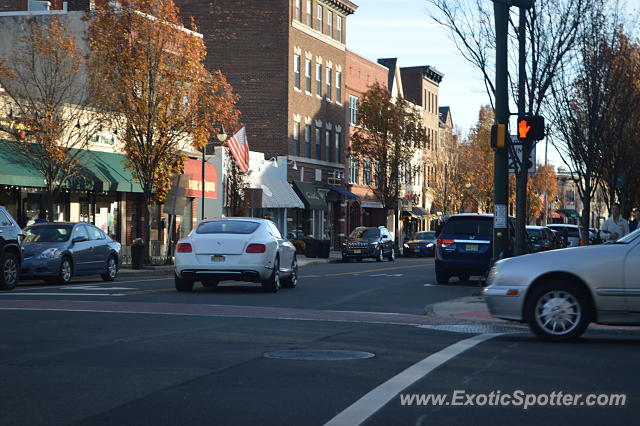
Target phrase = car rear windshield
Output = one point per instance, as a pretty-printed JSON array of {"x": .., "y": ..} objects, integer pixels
[
  {"x": 469, "y": 226},
  {"x": 535, "y": 234},
  {"x": 47, "y": 234},
  {"x": 365, "y": 233},
  {"x": 425, "y": 236},
  {"x": 227, "y": 227},
  {"x": 571, "y": 232}
]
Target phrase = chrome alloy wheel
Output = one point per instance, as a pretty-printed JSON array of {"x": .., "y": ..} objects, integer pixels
[
  {"x": 10, "y": 271},
  {"x": 65, "y": 270},
  {"x": 112, "y": 268},
  {"x": 558, "y": 312}
]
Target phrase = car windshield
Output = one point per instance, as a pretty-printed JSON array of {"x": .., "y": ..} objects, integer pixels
[
  {"x": 365, "y": 233},
  {"x": 227, "y": 227},
  {"x": 47, "y": 234},
  {"x": 629, "y": 237},
  {"x": 468, "y": 226},
  {"x": 535, "y": 234},
  {"x": 425, "y": 236}
]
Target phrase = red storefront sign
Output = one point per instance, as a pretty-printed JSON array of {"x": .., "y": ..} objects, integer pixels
[{"x": 193, "y": 168}]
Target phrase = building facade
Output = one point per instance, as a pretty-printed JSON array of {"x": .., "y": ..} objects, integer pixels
[{"x": 286, "y": 60}]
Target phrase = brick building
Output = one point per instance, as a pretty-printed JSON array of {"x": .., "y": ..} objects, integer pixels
[
  {"x": 286, "y": 59},
  {"x": 361, "y": 74}
]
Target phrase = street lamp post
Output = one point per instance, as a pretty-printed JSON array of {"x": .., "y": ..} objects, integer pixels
[{"x": 221, "y": 136}]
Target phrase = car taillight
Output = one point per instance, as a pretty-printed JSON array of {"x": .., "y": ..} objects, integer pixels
[
  {"x": 443, "y": 242},
  {"x": 580, "y": 242},
  {"x": 184, "y": 248},
  {"x": 256, "y": 248}
]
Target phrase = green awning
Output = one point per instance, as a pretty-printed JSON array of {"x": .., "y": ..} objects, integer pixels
[
  {"x": 100, "y": 171},
  {"x": 571, "y": 214}
]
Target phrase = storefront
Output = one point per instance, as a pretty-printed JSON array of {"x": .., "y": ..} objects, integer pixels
[
  {"x": 312, "y": 220},
  {"x": 277, "y": 199}
]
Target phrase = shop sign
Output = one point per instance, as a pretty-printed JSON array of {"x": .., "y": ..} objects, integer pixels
[{"x": 193, "y": 168}]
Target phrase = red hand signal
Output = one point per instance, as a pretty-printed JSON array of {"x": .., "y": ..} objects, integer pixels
[{"x": 523, "y": 129}]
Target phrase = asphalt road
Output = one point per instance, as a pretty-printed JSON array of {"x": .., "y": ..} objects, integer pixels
[{"x": 137, "y": 352}]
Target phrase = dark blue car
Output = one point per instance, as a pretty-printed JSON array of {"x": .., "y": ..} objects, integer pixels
[
  {"x": 57, "y": 251},
  {"x": 422, "y": 244},
  {"x": 465, "y": 246}
]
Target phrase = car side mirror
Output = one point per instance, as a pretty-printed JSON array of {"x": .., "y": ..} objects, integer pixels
[{"x": 79, "y": 240}]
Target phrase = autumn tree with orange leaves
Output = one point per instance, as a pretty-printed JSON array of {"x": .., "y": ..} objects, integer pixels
[
  {"x": 47, "y": 102},
  {"x": 148, "y": 71}
]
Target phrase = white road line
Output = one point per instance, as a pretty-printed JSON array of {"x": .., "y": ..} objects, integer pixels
[
  {"x": 368, "y": 405},
  {"x": 60, "y": 294}
]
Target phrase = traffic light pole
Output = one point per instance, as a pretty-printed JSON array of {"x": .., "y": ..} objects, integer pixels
[
  {"x": 501, "y": 159},
  {"x": 522, "y": 175}
]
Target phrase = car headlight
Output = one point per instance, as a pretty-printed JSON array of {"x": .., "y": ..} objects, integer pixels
[
  {"x": 430, "y": 245},
  {"x": 50, "y": 253},
  {"x": 406, "y": 246},
  {"x": 375, "y": 243}
]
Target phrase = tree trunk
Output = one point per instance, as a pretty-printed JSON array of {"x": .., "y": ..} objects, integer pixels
[
  {"x": 50, "y": 203},
  {"x": 586, "y": 214},
  {"x": 521, "y": 201}
]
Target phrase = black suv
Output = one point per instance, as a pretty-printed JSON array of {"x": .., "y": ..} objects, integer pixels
[
  {"x": 370, "y": 242},
  {"x": 10, "y": 253}
]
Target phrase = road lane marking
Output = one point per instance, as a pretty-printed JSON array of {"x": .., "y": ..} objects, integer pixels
[
  {"x": 61, "y": 294},
  {"x": 153, "y": 290},
  {"x": 97, "y": 288},
  {"x": 358, "y": 412},
  {"x": 390, "y": 268}
]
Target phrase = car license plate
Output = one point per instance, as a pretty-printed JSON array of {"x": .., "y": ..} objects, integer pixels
[
  {"x": 472, "y": 247},
  {"x": 416, "y": 250},
  {"x": 357, "y": 251},
  {"x": 217, "y": 258}
]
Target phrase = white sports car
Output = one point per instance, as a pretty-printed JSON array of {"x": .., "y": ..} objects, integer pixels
[{"x": 238, "y": 249}]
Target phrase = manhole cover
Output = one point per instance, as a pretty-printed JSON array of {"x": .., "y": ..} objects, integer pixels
[{"x": 318, "y": 355}]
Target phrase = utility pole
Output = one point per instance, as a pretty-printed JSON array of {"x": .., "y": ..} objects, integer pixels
[
  {"x": 501, "y": 236},
  {"x": 522, "y": 173}
]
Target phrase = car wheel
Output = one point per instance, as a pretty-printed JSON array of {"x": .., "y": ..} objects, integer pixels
[
  {"x": 66, "y": 271},
  {"x": 183, "y": 284},
  {"x": 360, "y": 259},
  {"x": 442, "y": 278},
  {"x": 210, "y": 283},
  {"x": 558, "y": 311},
  {"x": 407, "y": 254},
  {"x": 392, "y": 255},
  {"x": 9, "y": 273},
  {"x": 292, "y": 280},
  {"x": 380, "y": 255},
  {"x": 272, "y": 284},
  {"x": 463, "y": 277},
  {"x": 345, "y": 259},
  {"x": 112, "y": 269}
]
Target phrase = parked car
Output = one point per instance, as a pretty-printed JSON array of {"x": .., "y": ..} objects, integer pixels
[
  {"x": 559, "y": 293},
  {"x": 57, "y": 251},
  {"x": 10, "y": 252},
  {"x": 421, "y": 244},
  {"x": 568, "y": 233},
  {"x": 541, "y": 239},
  {"x": 369, "y": 242},
  {"x": 465, "y": 246},
  {"x": 236, "y": 249},
  {"x": 558, "y": 241}
]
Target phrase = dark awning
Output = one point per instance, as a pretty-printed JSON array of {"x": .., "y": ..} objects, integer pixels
[
  {"x": 309, "y": 195},
  {"x": 571, "y": 214},
  {"x": 344, "y": 192},
  {"x": 98, "y": 171},
  {"x": 419, "y": 211}
]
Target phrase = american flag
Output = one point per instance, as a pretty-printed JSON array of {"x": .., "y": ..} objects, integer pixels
[{"x": 240, "y": 149}]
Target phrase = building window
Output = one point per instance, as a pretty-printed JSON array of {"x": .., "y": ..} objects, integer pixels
[
  {"x": 327, "y": 145},
  {"x": 339, "y": 28},
  {"x": 338, "y": 147},
  {"x": 299, "y": 10},
  {"x": 307, "y": 75},
  {"x": 318, "y": 143},
  {"x": 378, "y": 174},
  {"x": 309, "y": 13},
  {"x": 338, "y": 87},
  {"x": 296, "y": 138},
  {"x": 319, "y": 14},
  {"x": 353, "y": 110},
  {"x": 366, "y": 171},
  {"x": 307, "y": 140},
  {"x": 424, "y": 99},
  {"x": 328, "y": 82},
  {"x": 330, "y": 23},
  {"x": 296, "y": 71},
  {"x": 353, "y": 170},
  {"x": 319, "y": 79}
]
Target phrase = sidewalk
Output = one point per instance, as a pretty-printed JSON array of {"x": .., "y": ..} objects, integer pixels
[
  {"x": 168, "y": 270},
  {"x": 471, "y": 308}
]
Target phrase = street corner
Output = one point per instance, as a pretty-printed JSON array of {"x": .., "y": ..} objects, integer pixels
[{"x": 467, "y": 308}]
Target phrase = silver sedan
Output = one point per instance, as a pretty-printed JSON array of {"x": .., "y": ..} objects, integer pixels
[{"x": 559, "y": 293}]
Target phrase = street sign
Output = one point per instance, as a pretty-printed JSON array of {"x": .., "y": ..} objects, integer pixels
[{"x": 517, "y": 147}]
